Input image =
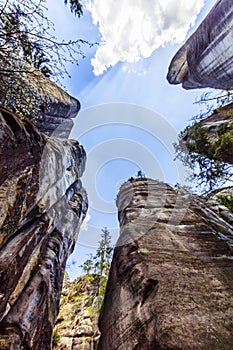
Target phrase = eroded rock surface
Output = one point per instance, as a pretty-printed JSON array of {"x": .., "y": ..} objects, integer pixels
[
  {"x": 42, "y": 205},
  {"x": 77, "y": 323},
  {"x": 30, "y": 94},
  {"x": 206, "y": 58},
  {"x": 171, "y": 280},
  {"x": 212, "y": 137}
]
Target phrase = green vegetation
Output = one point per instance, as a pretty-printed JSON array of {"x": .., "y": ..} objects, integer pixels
[
  {"x": 93, "y": 282},
  {"x": 55, "y": 338},
  {"x": 96, "y": 267},
  {"x": 27, "y": 42},
  {"x": 25, "y": 33},
  {"x": 91, "y": 312},
  {"x": 207, "y": 153},
  {"x": 226, "y": 200},
  {"x": 99, "y": 264}
]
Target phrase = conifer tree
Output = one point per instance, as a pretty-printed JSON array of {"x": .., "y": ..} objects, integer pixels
[
  {"x": 104, "y": 254},
  {"x": 100, "y": 263},
  {"x": 88, "y": 265}
]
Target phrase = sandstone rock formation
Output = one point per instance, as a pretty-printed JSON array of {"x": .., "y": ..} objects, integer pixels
[
  {"x": 76, "y": 327},
  {"x": 42, "y": 204},
  {"x": 171, "y": 280},
  {"x": 212, "y": 137},
  {"x": 206, "y": 58},
  {"x": 30, "y": 94},
  {"x": 215, "y": 198}
]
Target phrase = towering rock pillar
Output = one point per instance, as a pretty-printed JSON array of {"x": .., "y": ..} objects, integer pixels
[
  {"x": 171, "y": 280},
  {"x": 42, "y": 205}
]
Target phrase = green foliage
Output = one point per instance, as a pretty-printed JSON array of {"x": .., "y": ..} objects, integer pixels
[
  {"x": 102, "y": 286},
  {"x": 207, "y": 154},
  {"x": 55, "y": 338},
  {"x": 77, "y": 298},
  {"x": 15, "y": 36},
  {"x": 88, "y": 265},
  {"x": 212, "y": 100},
  {"x": 82, "y": 284},
  {"x": 89, "y": 294},
  {"x": 25, "y": 32},
  {"x": 99, "y": 264},
  {"x": 27, "y": 42},
  {"x": 103, "y": 255},
  {"x": 226, "y": 200},
  {"x": 91, "y": 312},
  {"x": 224, "y": 144}
]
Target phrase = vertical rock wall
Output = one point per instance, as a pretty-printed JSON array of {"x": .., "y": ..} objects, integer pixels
[
  {"x": 77, "y": 323},
  {"x": 42, "y": 205},
  {"x": 171, "y": 280}
]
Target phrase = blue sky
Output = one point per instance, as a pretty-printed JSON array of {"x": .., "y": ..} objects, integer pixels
[{"x": 130, "y": 115}]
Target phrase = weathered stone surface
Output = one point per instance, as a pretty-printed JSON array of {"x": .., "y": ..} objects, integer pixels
[
  {"x": 42, "y": 205},
  {"x": 214, "y": 203},
  {"x": 27, "y": 92},
  {"x": 218, "y": 132},
  {"x": 171, "y": 280},
  {"x": 206, "y": 58},
  {"x": 76, "y": 327}
]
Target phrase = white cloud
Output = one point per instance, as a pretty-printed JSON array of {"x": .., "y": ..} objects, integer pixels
[
  {"x": 84, "y": 226},
  {"x": 133, "y": 29}
]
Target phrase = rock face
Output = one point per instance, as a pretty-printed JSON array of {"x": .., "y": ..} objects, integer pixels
[
  {"x": 212, "y": 137},
  {"x": 30, "y": 94},
  {"x": 42, "y": 205},
  {"x": 206, "y": 58},
  {"x": 76, "y": 327},
  {"x": 171, "y": 280}
]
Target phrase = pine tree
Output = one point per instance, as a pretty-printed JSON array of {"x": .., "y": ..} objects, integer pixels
[
  {"x": 25, "y": 33},
  {"x": 100, "y": 263},
  {"x": 104, "y": 254},
  {"x": 88, "y": 265}
]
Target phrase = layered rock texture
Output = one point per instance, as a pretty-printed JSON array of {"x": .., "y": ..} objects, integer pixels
[
  {"x": 171, "y": 280},
  {"x": 28, "y": 93},
  {"x": 77, "y": 323},
  {"x": 212, "y": 137},
  {"x": 42, "y": 205},
  {"x": 206, "y": 58}
]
